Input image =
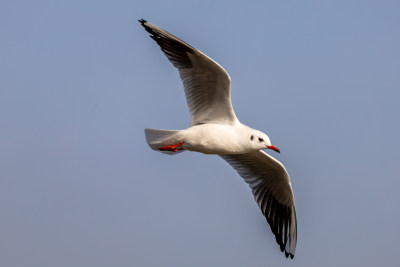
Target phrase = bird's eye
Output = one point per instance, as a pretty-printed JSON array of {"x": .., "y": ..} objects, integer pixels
[
  {"x": 251, "y": 138},
  {"x": 260, "y": 139}
]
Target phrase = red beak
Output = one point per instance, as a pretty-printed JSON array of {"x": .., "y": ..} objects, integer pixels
[{"x": 274, "y": 148}]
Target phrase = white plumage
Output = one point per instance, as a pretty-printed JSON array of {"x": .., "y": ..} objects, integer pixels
[{"x": 215, "y": 129}]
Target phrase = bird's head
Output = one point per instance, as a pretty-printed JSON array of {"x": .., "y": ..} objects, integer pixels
[{"x": 260, "y": 140}]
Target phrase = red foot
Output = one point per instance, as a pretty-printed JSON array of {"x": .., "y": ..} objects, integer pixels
[{"x": 173, "y": 148}]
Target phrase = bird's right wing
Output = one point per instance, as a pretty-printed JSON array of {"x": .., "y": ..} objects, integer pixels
[
  {"x": 206, "y": 83},
  {"x": 272, "y": 190}
]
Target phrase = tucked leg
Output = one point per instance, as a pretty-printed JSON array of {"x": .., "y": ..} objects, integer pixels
[{"x": 173, "y": 148}]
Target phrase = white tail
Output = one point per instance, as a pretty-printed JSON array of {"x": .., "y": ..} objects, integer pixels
[{"x": 157, "y": 138}]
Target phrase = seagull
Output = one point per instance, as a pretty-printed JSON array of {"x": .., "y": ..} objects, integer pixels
[{"x": 215, "y": 129}]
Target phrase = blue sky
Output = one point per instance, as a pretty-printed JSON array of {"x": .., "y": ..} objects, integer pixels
[{"x": 80, "y": 80}]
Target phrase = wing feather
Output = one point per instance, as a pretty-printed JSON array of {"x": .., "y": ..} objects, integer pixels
[
  {"x": 272, "y": 190},
  {"x": 206, "y": 83}
]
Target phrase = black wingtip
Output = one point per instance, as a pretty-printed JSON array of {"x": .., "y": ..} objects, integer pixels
[
  {"x": 142, "y": 21},
  {"x": 287, "y": 254}
]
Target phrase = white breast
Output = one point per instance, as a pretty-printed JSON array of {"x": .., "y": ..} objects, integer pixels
[{"x": 216, "y": 139}]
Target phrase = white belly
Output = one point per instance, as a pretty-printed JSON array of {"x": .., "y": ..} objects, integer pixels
[{"x": 214, "y": 139}]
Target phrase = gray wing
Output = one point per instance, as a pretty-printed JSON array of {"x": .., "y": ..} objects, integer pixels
[
  {"x": 272, "y": 190},
  {"x": 206, "y": 83}
]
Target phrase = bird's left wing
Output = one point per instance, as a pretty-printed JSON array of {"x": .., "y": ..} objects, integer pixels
[
  {"x": 272, "y": 190},
  {"x": 206, "y": 83}
]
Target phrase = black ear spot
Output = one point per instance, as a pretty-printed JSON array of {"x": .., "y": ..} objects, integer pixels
[
  {"x": 260, "y": 139},
  {"x": 251, "y": 138}
]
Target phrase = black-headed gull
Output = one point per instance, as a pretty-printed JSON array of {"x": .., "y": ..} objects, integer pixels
[{"x": 216, "y": 130}]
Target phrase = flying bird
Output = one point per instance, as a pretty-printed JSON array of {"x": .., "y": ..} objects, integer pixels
[{"x": 215, "y": 129}]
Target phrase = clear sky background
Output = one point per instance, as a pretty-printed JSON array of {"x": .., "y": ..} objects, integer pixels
[{"x": 80, "y": 80}]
